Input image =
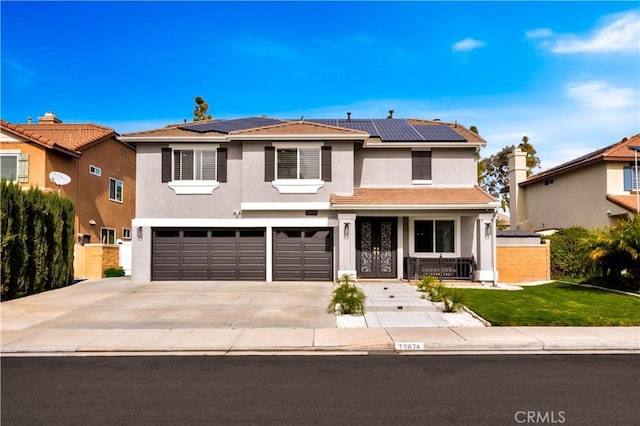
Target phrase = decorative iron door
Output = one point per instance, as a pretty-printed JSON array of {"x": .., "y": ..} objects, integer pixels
[{"x": 376, "y": 247}]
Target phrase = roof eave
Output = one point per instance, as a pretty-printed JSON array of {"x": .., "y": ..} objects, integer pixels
[
  {"x": 298, "y": 137},
  {"x": 483, "y": 206},
  {"x": 156, "y": 139},
  {"x": 424, "y": 144}
]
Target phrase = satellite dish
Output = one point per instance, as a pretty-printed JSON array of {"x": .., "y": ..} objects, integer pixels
[{"x": 59, "y": 178}]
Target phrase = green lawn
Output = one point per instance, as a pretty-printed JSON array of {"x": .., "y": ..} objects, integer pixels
[{"x": 554, "y": 304}]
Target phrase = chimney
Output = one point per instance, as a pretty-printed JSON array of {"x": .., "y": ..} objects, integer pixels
[
  {"x": 517, "y": 174},
  {"x": 29, "y": 120},
  {"x": 348, "y": 116},
  {"x": 49, "y": 118}
]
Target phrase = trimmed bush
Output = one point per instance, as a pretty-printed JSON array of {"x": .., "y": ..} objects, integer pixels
[
  {"x": 37, "y": 241},
  {"x": 114, "y": 272},
  {"x": 566, "y": 257}
]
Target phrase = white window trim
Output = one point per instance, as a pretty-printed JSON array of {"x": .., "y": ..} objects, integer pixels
[
  {"x": 193, "y": 187},
  {"x": 115, "y": 235},
  {"x": 298, "y": 186},
  {"x": 422, "y": 182},
  {"x": 97, "y": 171},
  {"x": 456, "y": 237},
  {"x": 121, "y": 192}
]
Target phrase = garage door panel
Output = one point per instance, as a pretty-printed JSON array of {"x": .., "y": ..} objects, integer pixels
[
  {"x": 303, "y": 254},
  {"x": 166, "y": 247},
  {"x": 208, "y": 254}
]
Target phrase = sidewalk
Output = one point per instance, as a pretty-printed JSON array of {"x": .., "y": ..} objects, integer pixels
[{"x": 118, "y": 317}]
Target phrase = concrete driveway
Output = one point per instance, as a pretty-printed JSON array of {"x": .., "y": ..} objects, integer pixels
[{"x": 117, "y": 303}]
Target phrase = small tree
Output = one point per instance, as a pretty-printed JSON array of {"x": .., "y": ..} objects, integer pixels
[
  {"x": 200, "y": 110},
  {"x": 493, "y": 171},
  {"x": 616, "y": 252}
]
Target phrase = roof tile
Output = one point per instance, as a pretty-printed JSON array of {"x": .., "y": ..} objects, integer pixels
[{"x": 414, "y": 196}]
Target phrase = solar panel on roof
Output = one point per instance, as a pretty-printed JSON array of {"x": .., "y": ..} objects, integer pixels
[
  {"x": 226, "y": 126},
  {"x": 438, "y": 133},
  {"x": 396, "y": 130}
]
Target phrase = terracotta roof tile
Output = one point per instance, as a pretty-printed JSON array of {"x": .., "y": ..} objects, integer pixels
[
  {"x": 71, "y": 136},
  {"x": 625, "y": 201},
  {"x": 618, "y": 151},
  {"x": 414, "y": 196},
  {"x": 24, "y": 130}
]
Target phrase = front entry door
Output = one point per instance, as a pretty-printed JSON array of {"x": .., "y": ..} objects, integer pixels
[{"x": 376, "y": 247}]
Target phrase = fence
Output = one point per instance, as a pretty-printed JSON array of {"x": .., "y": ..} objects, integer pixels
[{"x": 456, "y": 268}]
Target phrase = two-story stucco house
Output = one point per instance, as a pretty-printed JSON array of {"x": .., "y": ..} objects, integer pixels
[
  {"x": 101, "y": 167},
  {"x": 269, "y": 199},
  {"x": 593, "y": 191}
]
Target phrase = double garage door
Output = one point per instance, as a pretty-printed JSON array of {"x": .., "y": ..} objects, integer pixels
[{"x": 240, "y": 254}]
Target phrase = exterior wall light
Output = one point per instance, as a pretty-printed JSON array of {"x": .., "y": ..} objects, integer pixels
[
  {"x": 139, "y": 233},
  {"x": 346, "y": 231}
]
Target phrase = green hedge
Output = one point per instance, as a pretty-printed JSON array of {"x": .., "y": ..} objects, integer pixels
[
  {"x": 566, "y": 258},
  {"x": 36, "y": 248}
]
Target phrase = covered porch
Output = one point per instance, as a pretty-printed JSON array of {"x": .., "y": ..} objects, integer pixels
[{"x": 405, "y": 233}]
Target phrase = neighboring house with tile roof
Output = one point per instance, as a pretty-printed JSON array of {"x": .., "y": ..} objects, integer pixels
[
  {"x": 102, "y": 170},
  {"x": 273, "y": 199},
  {"x": 594, "y": 190}
]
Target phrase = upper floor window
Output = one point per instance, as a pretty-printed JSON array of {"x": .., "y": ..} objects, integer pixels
[
  {"x": 297, "y": 169},
  {"x": 115, "y": 190},
  {"x": 194, "y": 170},
  {"x": 95, "y": 170},
  {"x": 631, "y": 179},
  {"x": 192, "y": 164},
  {"x": 14, "y": 167},
  {"x": 298, "y": 163},
  {"x": 421, "y": 167}
]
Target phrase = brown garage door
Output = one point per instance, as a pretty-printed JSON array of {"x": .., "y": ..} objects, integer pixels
[
  {"x": 303, "y": 254},
  {"x": 208, "y": 254}
]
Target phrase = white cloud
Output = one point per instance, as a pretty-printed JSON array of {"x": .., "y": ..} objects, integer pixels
[
  {"x": 598, "y": 94},
  {"x": 539, "y": 33},
  {"x": 620, "y": 33},
  {"x": 467, "y": 45},
  {"x": 17, "y": 74}
]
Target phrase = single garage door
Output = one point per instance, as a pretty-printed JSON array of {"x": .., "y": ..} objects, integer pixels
[
  {"x": 208, "y": 254},
  {"x": 303, "y": 254}
]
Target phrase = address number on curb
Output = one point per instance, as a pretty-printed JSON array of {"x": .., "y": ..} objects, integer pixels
[{"x": 409, "y": 346}]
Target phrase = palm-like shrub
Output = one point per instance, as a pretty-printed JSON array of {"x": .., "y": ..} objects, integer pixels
[
  {"x": 615, "y": 252},
  {"x": 347, "y": 298}
]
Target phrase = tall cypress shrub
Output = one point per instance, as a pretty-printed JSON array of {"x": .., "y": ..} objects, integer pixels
[
  {"x": 37, "y": 241},
  {"x": 14, "y": 254}
]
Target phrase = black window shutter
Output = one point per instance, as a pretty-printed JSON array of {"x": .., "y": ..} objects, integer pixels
[
  {"x": 269, "y": 163},
  {"x": 166, "y": 164},
  {"x": 326, "y": 163},
  {"x": 421, "y": 165},
  {"x": 222, "y": 164}
]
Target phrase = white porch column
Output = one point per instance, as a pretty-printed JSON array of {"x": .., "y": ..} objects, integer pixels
[
  {"x": 486, "y": 261},
  {"x": 347, "y": 244}
]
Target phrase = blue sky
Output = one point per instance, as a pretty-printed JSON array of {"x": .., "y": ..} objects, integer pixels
[{"x": 566, "y": 74}]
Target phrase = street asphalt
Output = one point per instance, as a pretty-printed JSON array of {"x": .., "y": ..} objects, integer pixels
[{"x": 115, "y": 315}]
